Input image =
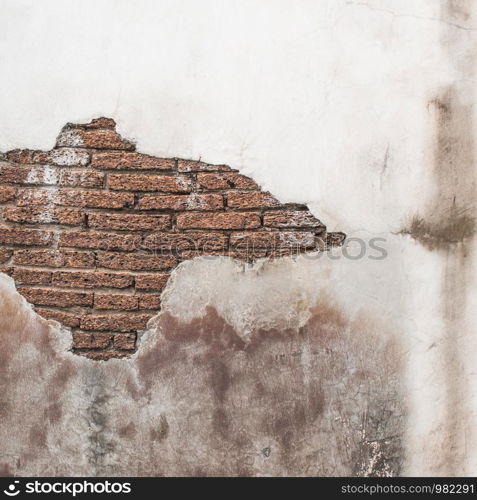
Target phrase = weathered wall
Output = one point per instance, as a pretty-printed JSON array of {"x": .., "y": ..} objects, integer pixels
[{"x": 362, "y": 110}]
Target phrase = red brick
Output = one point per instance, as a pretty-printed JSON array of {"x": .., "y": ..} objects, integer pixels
[
  {"x": 115, "y": 322},
  {"x": 119, "y": 160},
  {"x": 70, "y": 320},
  {"x": 81, "y": 178},
  {"x": 93, "y": 138},
  {"x": 7, "y": 193},
  {"x": 53, "y": 258},
  {"x": 182, "y": 202},
  {"x": 27, "y": 156},
  {"x": 29, "y": 175},
  {"x": 149, "y": 301},
  {"x": 27, "y": 237},
  {"x": 125, "y": 341},
  {"x": 57, "y": 298},
  {"x": 5, "y": 254},
  {"x": 31, "y": 276},
  {"x": 129, "y": 222},
  {"x": 116, "y": 302},
  {"x": 150, "y": 182},
  {"x": 44, "y": 215},
  {"x": 251, "y": 199},
  {"x": 151, "y": 282},
  {"x": 94, "y": 199},
  {"x": 136, "y": 262},
  {"x": 92, "y": 279},
  {"x": 185, "y": 241},
  {"x": 101, "y": 122},
  {"x": 220, "y": 220},
  {"x": 199, "y": 166},
  {"x": 291, "y": 218},
  {"x": 273, "y": 239},
  {"x": 224, "y": 181},
  {"x": 101, "y": 241},
  {"x": 84, "y": 340},
  {"x": 61, "y": 157}
]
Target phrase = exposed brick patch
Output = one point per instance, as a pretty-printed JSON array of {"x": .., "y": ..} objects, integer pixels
[{"x": 91, "y": 230}]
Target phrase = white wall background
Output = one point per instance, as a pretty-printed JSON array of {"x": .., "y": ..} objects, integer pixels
[{"x": 321, "y": 101}]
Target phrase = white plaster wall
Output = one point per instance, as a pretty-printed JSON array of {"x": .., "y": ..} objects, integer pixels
[{"x": 325, "y": 102}]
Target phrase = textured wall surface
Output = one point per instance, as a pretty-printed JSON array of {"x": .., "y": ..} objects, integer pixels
[{"x": 358, "y": 360}]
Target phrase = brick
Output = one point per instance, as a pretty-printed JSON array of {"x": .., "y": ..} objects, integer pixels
[
  {"x": 70, "y": 320},
  {"x": 335, "y": 239},
  {"x": 224, "y": 181},
  {"x": 101, "y": 241},
  {"x": 61, "y": 157},
  {"x": 291, "y": 218},
  {"x": 220, "y": 220},
  {"x": 91, "y": 279},
  {"x": 151, "y": 282},
  {"x": 93, "y": 138},
  {"x": 7, "y": 193},
  {"x": 199, "y": 166},
  {"x": 94, "y": 199},
  {"x": 119, "y": 160},
  {"x": 84, "y": 340},
  {"x": 27, "y": 237},
  {"x": 81, "y": 178},
  {"x": 150, "y": 182},
  {"x": 273, "y": 239},
  {"x": 57, "y": 298},
  {"x": 115, "y": 322},
  {"x": 251, "y": 199},
  {"x": 116, "y": 301},
  {"x": 129, "y": 222},
  {"x": 182, "y": 202},
  {"x": 104, "y": 356},
  {"x": 185, "y": 241},
  {"x": 53, "y": 258},
  {"x": 31, "y": 276},
  {"x": 101, "y": 122},
  {"x": 5, "y": 254},
  {"x": 149, "y": 301},
  {"x": 44, "y": 215},
  {"x": 135, "y": 262},
  {"x": 29, "y": 175},
  {"x": 27, "y": 156},
  {"x": 124, "y": 341}
]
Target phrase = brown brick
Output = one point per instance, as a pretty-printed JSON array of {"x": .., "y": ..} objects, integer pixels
[
  {"x": 81, "y": 178},
  {"x": 116, "y": 301},
  {"x": 29, "y": 175},
  {"x": 84, "y": 340},
  {"x": 31, "y": 276},
  {"x": 149, "y": 301},
  {"x": 251, "y": 199},
  {"x": 61, "y": 157},
  {"x": 115, "y": 322},
  {"x": 135, "y": 161},
  {"x": 136, "y": 262},
  {"x": 91, "y": 279},
  {"x": 273, "y": 239},
  {"x": 7, "y": 193},
  {"x": 57, "y": 298},
  {"x": 125, "y": 341},
  {"x": 101, "y": 122},
  {"x": 65, "y": 318},
  {"x": 104, "y": 356},
  {"x": 150, "y": 182},
  {"x": 93, "y": 138},
  {"x": 335, "y": 239},
  {"x": 94, "y": 199},
  {"x": 291, "y": 218},
  {"x": 200, "y": 166},
  {"x": 53, "y": 258},
  {"x": 224, "y": 181},
  {"x": 44, "y": 215},
  {"x": 185, "y": 241},
  {"x": 220, "y": 220},
  {"x": 28, "y": 237},
  {"x": 5, "y": 254},
  {"x": 27, "y": 156},
  {"x": 182, "y": 202},
  {"x": 129, "y": 222},
  {"x": 102, "y": 241},
  {"x": 151, "y": 282}
]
